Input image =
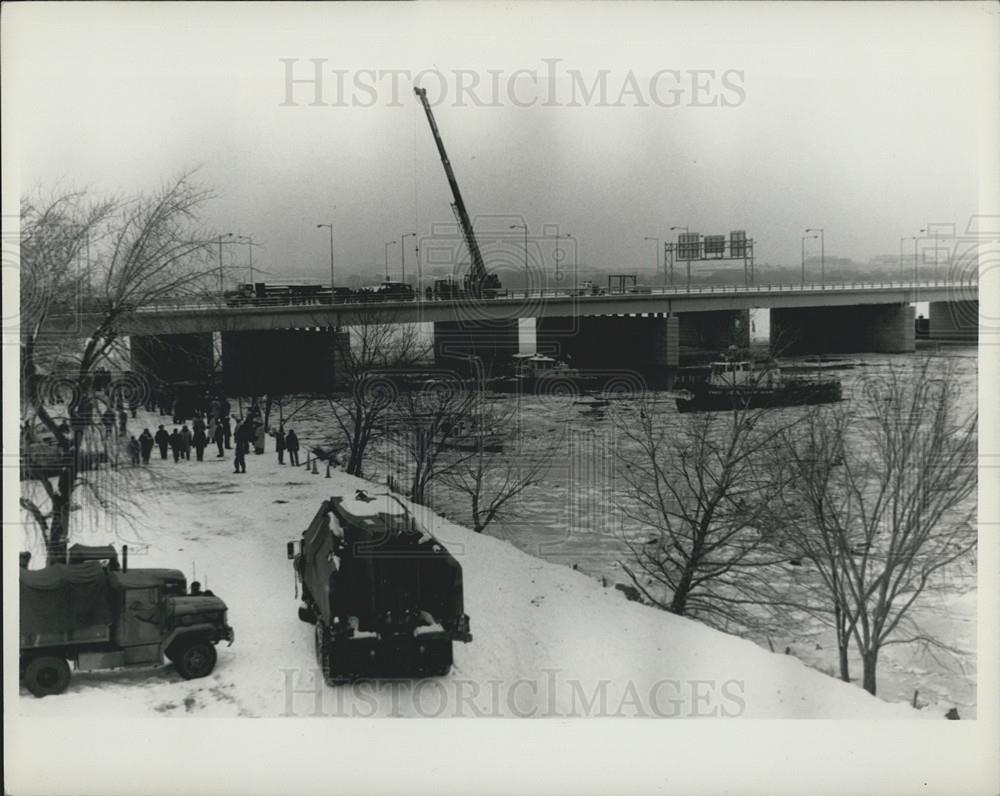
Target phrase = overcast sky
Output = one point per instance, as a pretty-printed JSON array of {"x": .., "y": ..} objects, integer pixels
[{"x": 867, "y": 121}]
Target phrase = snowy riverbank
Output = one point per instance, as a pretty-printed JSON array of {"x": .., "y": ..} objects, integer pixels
[{"x": 548, "y": 641}]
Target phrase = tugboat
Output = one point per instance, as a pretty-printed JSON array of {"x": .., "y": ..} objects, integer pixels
[
  {"x": 472, "y": 436},
  {"x": 735, "y": 384}
]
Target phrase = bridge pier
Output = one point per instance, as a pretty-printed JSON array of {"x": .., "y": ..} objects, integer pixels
[
  {"x": 283, "y": 361},
  {"x": 710, "y": 333},
  {"x": 954, "y": 321},
  {"x": 164, "y": 359},
  {"x": 494, "y": 343},
  {"x": 875, "y": 328},
  {"x": 645, "y": 344}
]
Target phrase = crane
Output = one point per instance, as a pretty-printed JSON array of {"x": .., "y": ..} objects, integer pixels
[{"x": 478, "y": 282}]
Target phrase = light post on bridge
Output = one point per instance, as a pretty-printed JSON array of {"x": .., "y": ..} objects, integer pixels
[
  {"x": 558, "y": 257},
  {"x": 387, "y": 245},
  {"x": 220, "y": 239},
  {"x": 250, "y": 245},
  {"x": 675, "y": 229},
  {"x": 804, "y": 239},
  {"x": 402, "y": 254},
  {"x": 916, "y": 238},
  {"x": 822, "y": 253},
  {"x": 527, "y": 276},
  {"x": 329, "y": 227}
]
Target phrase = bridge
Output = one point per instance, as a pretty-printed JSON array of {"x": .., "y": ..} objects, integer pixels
[{"x": 644, "y": 329}]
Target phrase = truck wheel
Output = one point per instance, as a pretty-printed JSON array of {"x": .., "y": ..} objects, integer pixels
[
  {"x": 47, "y": 675},
  {"x": 195, "y": 659}
]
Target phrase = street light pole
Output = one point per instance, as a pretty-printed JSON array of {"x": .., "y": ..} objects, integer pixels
[
  {"x": 249, "y": 242},
  {"x": 387, "y": 245},
  {"x": 221, "y": 285},
  {"x": 804, "y": 239},
  {"x": 822, "y": 253},
  {"x": 330, "y": 227},
  {"x": 402, "y": 256},
  {"x": 902, "y": 257}
]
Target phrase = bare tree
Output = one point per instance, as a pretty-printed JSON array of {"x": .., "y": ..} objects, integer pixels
[
  {"x": 498, "y": 470},
  {"x": 436, "y": 428},
  {"x": 702, "y": 487},
  {"x": 372, "y": 359},
  {"x": 85, "y": 267},
  {"x": 881, "y": 503}
]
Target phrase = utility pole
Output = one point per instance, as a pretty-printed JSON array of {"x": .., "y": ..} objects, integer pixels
[
  {"x": 822, "y": 253},
  {"x": 402, "y": 254}
]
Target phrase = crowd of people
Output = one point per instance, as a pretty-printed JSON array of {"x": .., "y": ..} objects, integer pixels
[{"x": 216, "y": 427}]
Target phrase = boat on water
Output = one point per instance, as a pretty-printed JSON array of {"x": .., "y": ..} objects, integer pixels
[
  {"x": 735, "y": 384},
  {"x": 470, "y": 435},
  {"x": 547, "y": 375}
]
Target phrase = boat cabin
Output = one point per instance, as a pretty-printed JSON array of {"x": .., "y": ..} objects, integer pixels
[{"x": 742, "y": 373}]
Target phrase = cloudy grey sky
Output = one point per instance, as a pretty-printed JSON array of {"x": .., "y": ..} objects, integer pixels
[{"x": 867, "y": 121}]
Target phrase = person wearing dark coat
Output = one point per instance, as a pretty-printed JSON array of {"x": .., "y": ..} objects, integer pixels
[
  {"x": 108, "y": 419},
  {"x": 133, "y": 451},
  {"x": 122, "y": 420},
  {"x": 218, "y": 437},
  {"x": 186, "y": 442},
  {"x": 279, "y": 443},
  {"x": 242, "y": 438},
  {"x": 198, "y": 423},
  {"x": 227, "y": 430},
  {"x": 259, "y": 436},
  {"x": 175, "y": 444},
  {"x": 200, "y": 440},
  {"x": 292, "y": 444},
  {"x": 162, "y": 440},
  {"x": 145, "y": 445}
]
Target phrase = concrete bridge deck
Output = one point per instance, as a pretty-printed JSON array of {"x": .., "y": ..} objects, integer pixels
[{"x": 208, "y": 316}]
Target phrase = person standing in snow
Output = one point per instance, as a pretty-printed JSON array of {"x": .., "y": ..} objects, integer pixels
[
  {"x": 175, "y": 444},
  {"x": 227, "y": 430},
  {"x": 218, "y": 437},
  {"x": 242, "y": 440},
  {"x": 292, "y": 444},
  {"x": 200, "y": 441},
  {"x": 162, "y": 440},
  {"x": 259, "y": 437},
  {"x": 133, "y": 451},
  {"x": 279, "y": 443},
  {"x": 122, "y": 420},
  {"x": 145, "y": 445}
]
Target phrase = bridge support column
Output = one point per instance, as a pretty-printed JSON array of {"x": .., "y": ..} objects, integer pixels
[
  {"x": 282, "y": 361},
  {"x": 707, "y": 334},
  {"x": 494, "y": 343},
  {"x": 165, "y": 359},
  {"x": 645, "y": 344},
  {"x": 875, "y": 328},
  {"x": 954, "y": 321}
]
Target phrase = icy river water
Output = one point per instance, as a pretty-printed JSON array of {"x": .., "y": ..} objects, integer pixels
[{"x": 571, "y": 518}]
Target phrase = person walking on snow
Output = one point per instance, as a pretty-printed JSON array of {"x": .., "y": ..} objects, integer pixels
[
  {"x": 162, "y": 440},
  {"x": 133, "y": 451},
  {"x": 292, "y": 444},
  {"x": 145, "y": 445},
  {"x": 242, "y": 440},
  {"x": 186, "y": 442},
  {"x": 175, "y": 444}
]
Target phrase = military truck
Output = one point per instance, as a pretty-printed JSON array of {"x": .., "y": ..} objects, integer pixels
[
  {"x": 384, "y": 595},
  {"x": 102, "y": 615}
]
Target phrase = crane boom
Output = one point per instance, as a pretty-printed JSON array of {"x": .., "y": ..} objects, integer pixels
[{"x": 479, "y": 277}]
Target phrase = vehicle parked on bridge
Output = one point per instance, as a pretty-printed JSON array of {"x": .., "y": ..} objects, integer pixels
[
  {"x": 102, "y": 616},
  {"x": 384, "y": 595}
]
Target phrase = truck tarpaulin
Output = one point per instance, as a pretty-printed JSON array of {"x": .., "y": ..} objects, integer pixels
[{"x": 64, "y": 597}]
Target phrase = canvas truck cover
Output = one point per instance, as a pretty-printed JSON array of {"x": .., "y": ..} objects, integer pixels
[
  {"x": 64, "y": 597},
  {"x": 369, "y": 558}
]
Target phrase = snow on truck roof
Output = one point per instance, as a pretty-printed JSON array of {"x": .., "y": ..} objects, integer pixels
[{"x": 375, "y": 505}]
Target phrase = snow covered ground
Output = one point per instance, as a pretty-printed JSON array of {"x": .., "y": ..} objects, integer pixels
[{"x": 548, "y": 641}]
